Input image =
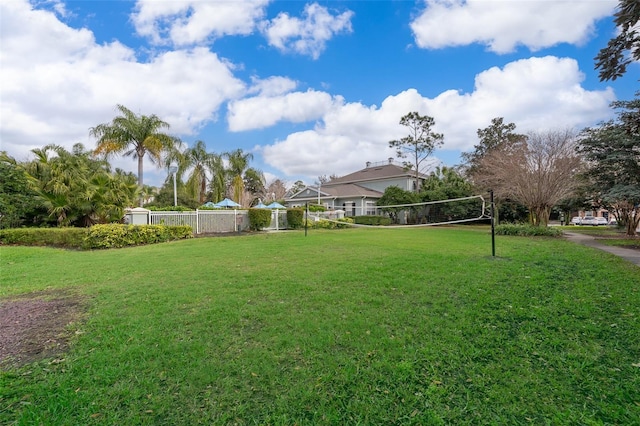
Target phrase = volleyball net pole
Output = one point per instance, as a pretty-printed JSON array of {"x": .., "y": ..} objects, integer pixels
[{"x": 493, "y": 227}]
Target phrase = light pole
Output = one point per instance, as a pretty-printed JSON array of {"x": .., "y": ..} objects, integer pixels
[{"x": 173, "y": 169}]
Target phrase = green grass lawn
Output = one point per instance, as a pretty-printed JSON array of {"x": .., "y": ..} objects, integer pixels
[
  {"x": 611, "y": 236},
  {"x": 359, "y": 326}
]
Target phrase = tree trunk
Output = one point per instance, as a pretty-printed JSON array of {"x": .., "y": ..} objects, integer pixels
[
  {"x": 632, "y": 225},
  {"x": 203, "y": 190},
  {"x": 140, "y": 166},
  {"x": 540, "y": 215}
]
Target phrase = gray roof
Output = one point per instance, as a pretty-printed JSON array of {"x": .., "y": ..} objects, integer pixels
[
  {"x": 348, "y": 186},
  {"x": 349, "y": 190},
  {"x": 346, "y": 190},
  {"x": 373, "y": 172}
]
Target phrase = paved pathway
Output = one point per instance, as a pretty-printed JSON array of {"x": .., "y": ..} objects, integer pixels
[{"x": 630, "y": 255}]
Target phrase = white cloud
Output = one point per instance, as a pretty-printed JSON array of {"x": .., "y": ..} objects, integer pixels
[
  {"x": 306, "y": 36},
  {"x": 190, "y": 22},
  {"x": 503, "y": 25},
  {"x": 535, "y": 94},
  {"x": 57, "y": 82},
  {"x": 264, "y": 111},
  {"x": 272, "y": 86}
]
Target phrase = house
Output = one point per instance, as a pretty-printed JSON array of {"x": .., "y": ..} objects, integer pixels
[{"x": 357, "y": 192}]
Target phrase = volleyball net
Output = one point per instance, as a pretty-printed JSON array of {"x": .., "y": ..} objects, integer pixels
[{"x": 429, "y": 213}]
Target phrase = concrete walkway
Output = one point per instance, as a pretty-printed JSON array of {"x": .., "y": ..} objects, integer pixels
[{"x": 630, "y": 255}]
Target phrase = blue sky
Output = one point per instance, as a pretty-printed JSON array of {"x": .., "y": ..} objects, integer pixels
[{"x": 309, "y": 88}]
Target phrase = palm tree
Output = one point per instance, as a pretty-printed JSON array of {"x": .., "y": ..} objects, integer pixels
[
  {"x": 135, "y": 135},
  {"x": 200, "y": 162},
  {"x": 238, "y": 167},
  {"x": 218, "y": 184}
]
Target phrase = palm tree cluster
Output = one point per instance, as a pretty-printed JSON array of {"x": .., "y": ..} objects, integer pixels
[
  {"x": 201, "y": 176},
  {"x": 68, "y": 188},
  {"x": 207, "y": 176},
  {"x": 78, "y": 187}
]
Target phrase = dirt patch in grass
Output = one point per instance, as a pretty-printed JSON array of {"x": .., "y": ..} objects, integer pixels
[{"x": 37, "y": 326}]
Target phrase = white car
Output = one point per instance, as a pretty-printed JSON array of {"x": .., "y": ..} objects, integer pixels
[
  {"x": 602, "y": 221},
  {"x": 576, "y": 220},
  {"x": 589, "y": 220}
]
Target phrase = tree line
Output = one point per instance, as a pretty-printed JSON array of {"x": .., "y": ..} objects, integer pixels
[
  {"x": 529, "y": 174},
  {"x": 532, "y": 174},
  {"x": 79, "y": 187}
]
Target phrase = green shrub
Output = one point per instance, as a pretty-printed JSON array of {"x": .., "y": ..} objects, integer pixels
[
  {"x": 116, "y": 235},
  {"x": 528, "y": 230},
  {"x": 316, "y": 208},
  {"x": 295, "y": 218},
  {"x": 345, "y": 223},
  {"x": 329, "y": 224},
  {"x": 259, "y": 219},
  {"x": 55, "y": 237},
  {"x": 372, "y": 220}
]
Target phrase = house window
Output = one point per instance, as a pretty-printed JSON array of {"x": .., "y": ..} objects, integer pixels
[
  {"x": 370, "y": 208},
  {"x": 349, "y": 208}
]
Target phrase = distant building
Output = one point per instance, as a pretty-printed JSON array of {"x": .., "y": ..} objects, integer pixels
[{"x": 357, "y": 192}]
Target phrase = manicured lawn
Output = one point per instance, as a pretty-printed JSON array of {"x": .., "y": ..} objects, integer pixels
[
  {"x": 414, "y": 326},
  {"x": 597, "y": 231}
]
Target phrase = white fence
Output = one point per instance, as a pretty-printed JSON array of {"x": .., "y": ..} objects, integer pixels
[{"x": 205, "y": 221}]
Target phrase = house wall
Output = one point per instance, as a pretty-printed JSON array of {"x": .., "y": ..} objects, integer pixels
[
  {"x": 352, "y": 206},
  {"x": 356, "y": 206}
]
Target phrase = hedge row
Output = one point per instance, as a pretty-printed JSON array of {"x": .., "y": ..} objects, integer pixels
[
  {"x": 54, "y": 237},
  {"x": 329, "y": 224},
  {"x": 372, "y": 220},
  {"x": 112, "y": 236},
  {"x": 96, "y": 237},
  {"x": 527, "y": 230}
]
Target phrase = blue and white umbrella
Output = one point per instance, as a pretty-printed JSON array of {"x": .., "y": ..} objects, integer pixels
[
  {"x": 227, "y": 203},
  {"x": 275, "y": 205}
]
